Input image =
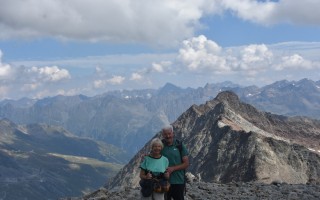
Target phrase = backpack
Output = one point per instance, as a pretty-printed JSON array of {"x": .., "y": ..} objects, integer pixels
[{"x": 147, "y": 186}]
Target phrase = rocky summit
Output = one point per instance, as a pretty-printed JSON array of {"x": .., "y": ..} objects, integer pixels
[
  {"x": 231, "y": 141},
  {"x": 236, "y": 152}
]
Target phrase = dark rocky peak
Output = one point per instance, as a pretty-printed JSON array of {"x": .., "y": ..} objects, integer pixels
[
  {"x": 229, "y": 97},
  {"x": 230, "y": 103},
  {"x": 232, "y": 141}
]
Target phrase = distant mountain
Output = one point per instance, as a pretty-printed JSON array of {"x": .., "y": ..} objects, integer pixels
[
  {"x": 129, "y": 118},
  {"x": 288, "y": 98},
  {"x": 39, "y": 161},
  {"x": 231, "y": 141}
]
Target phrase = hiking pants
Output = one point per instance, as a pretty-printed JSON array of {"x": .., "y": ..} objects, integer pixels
[{"x": 176, "y": 192}]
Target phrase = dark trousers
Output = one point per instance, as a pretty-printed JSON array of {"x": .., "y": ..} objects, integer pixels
[{"x": 176, "y": 192}]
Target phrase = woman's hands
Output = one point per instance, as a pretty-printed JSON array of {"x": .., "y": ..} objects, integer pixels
[{"x": 148, "y": 176}]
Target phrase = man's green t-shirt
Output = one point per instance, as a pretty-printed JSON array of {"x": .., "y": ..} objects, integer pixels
[{"x": 173, "y": 155}]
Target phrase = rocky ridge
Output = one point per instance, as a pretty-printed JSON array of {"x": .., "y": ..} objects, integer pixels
[
  {"x": 231, "y": 141},
  {"x": 236, "y": 152}
]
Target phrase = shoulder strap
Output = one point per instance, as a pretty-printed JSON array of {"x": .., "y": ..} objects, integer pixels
[{"x": 179, "y": 146}]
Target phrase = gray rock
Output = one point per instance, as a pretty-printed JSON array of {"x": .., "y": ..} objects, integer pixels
[{"x": 203, "y": 191}]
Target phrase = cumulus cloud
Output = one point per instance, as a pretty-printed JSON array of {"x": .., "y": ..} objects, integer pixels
[
  {"x": 136, "y": 76},
  {"x": 22, "y": 79},
  {"x": 115, "y": 80},
  {"x": 97, "y": 20},
  {"x": 5, "y": 69},
  {"x": 99, "y": 83},
  {"x": 49, "y": 74},
  {"x": 296, "y": 61},
  {"x": 254, "y": 58},
  {"x": 202, "y": 56}
]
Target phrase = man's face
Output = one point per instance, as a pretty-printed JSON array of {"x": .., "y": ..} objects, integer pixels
[{"x": 168, "y": 136}]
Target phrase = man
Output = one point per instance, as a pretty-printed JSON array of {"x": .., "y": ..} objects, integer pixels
[{"x": 177, "y": 163}]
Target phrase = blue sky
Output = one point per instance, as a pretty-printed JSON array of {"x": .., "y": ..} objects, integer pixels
[{"x": 88, "y": 47}]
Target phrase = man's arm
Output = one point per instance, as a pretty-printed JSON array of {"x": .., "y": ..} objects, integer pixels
[{"x": 182, "y": 166}]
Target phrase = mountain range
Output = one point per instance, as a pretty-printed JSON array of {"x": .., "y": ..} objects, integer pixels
[{"x": 128, "y": 119}]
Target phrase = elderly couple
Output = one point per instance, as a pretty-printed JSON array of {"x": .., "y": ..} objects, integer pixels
[{"x": 168, "y": 159}]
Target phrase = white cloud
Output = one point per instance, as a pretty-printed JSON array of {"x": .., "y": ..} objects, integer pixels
[
  {"x": 254, "y": 58},
  {"x": 5, "y": 69},
  {"x": 143, "y": 21},
  {"x": 252, "y": 10},
  {"x": 99, "y": 83},
  {"x": 296, "y": 61},
  {"x": 200, "y": 54},
  {"x": 157, "y": 67},
  {"x": 49, "y": 74},
  {"x": 297, "y": 12},
  {"x": 160, "y": 67},
  {"x": 136, "y": 76},
  {"x": 22, "y": 80},
  {"x": 273, "y": 12},
  {"x": 204, "y": 57},
  {"x": 256, "y": 53},
  {"x": 115, "y": 80}
]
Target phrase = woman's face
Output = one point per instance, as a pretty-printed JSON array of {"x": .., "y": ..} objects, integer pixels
[{"x": 156, "y": 148}]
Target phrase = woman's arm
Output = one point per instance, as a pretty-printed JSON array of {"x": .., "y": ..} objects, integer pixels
[{"x": 143, "y": 174}]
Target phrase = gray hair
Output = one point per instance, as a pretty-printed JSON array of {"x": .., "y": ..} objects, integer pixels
[
  {"x": 156, "y": 141},
  {"x": 167, "y": 128}
]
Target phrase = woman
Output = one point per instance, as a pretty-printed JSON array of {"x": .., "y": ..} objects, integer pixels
[{"x": 154, "y": 166}]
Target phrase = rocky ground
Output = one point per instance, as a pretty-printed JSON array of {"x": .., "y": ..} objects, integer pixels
[{"x": 205, "y": 191}]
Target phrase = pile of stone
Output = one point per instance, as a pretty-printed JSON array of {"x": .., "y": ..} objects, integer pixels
[{"x": 206, "y": 191}]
